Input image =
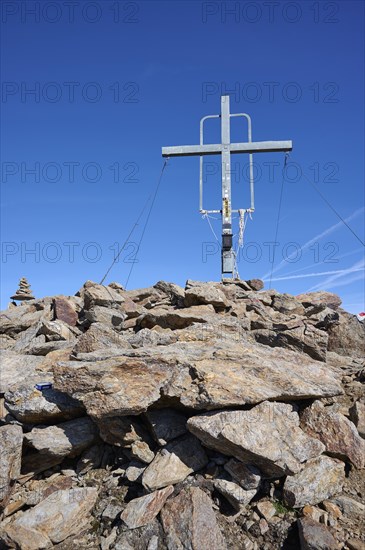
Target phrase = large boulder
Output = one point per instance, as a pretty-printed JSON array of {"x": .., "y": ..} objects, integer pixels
[
  {"x": 320, "y": 479},
  {"x": 114, "y": 387},
  {"x": 65, "y": 310},
  {"x": 336, "y": 432},
  {"x": 94, "y": 294},
  {"x": 60, "y": 515},
  {"x": 267, "y": 436},
  {"x": 320, "y": 297},
  {"x": 110, "y": 316},
  {"x": 347, "y": 337},
  {"x": 224, "y": 374},
  {"x": 176, "y": 318},
  {"x": 206, "y": 294},
  {"x": 175, "y": 292}
]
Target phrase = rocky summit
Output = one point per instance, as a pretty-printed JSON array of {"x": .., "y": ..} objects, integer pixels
[{"x": 219, "y": 416}]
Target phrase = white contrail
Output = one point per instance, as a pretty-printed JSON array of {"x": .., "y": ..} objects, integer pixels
[
  {"x": 357, "y": 277},
  {"x": 315, "y": 239},
  {"x": 357, "y": 266},
  {"x": 338, "y": 272},
  {"x": 355, "y": 251}
]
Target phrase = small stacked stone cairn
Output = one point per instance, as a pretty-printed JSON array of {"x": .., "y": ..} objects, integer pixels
[{"x": 24, "y": 291}]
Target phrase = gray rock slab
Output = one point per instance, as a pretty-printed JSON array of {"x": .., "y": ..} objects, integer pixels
[
  {"x": 320, "y": 479},
  {"x": 65, "y": 439},
  {"x": 268, "y": 437}
]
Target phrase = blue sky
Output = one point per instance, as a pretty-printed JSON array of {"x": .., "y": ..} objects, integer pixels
[{"x": 92, "y": 90}]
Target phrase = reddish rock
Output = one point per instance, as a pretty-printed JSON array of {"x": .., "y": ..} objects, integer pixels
[
  {"x": 315, "y": 536},
  {"x": 65, "y": 311},
  {"x": 189, "y": 522},
  {"x": 328, "y": 299},
  {"x": 347, "y": 337},
  {"x": 336, "y": 432},
  {"x": 255, "y": 284}
]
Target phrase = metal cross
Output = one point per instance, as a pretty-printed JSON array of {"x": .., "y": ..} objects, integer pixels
[{"x": 225, "y": 149}]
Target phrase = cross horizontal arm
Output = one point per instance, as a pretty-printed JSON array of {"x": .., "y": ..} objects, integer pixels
[{"x": 216, "y": 148}]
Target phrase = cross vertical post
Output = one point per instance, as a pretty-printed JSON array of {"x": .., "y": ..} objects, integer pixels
[{"x": 227, "y": 236}]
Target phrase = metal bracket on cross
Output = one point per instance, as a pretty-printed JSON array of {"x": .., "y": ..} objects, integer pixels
[{"x": 225, "y": 149}]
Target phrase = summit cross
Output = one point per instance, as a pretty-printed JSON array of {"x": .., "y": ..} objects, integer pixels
[{"x": 225, "y": 149}]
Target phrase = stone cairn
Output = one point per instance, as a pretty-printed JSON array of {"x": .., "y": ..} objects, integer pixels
[{"x": 24, "y": 291}]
